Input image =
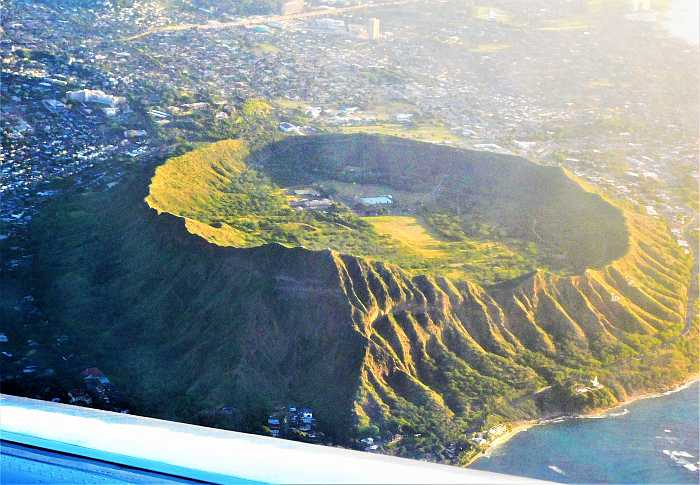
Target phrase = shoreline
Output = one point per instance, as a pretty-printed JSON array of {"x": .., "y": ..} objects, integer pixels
[
  {"x": 516, "y": 428},
  {"x": 520, "y": 426},
  {"x": 639, "y": 397}
]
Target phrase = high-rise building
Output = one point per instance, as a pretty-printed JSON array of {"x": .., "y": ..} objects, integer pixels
[
  {"x": 291, "y": 7},
  {"x": 373, "y": 29}
]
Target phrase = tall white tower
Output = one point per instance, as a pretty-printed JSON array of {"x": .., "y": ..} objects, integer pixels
[{"x": 373, "y": 29}]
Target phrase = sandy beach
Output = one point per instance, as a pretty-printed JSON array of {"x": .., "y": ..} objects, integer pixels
[{"x": 515, "y": 428}]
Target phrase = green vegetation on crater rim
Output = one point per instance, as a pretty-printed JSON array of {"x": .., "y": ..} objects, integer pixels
[
  {"x": 466, "y": 215},
  {"x": 421, "y": 361}
]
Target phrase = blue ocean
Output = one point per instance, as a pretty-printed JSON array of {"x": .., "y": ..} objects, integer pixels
[{"x": 649, "y": 441}]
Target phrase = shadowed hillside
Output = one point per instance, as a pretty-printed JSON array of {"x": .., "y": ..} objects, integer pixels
[
  {"x": 186, "y": 326},
  {"x": 509, "y": 195}
]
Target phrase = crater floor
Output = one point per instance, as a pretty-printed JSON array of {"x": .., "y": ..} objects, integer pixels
[{"x": 427, "y": 208}]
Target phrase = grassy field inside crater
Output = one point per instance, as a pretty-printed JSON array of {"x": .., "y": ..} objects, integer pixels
[
  {"x": 229, "y": 203},
  {"x": 409, "y": 236}
]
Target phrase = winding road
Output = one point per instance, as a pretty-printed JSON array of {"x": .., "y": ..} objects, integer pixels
[{"x": 257, "y": 20}]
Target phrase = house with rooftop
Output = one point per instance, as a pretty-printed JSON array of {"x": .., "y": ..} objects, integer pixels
[{"x": 374, "y": 205}]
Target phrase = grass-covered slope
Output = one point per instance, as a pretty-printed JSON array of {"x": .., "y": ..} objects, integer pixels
[
  {"x": 185, "y": 326},
  {"x": 229, "y": 203},
  {"x": 480, "y": 217}
]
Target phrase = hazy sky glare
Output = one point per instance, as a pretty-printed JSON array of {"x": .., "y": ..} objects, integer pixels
[{"x": 683, "y": 21}]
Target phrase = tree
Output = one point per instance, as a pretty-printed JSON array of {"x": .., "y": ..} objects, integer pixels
[{"x": 256, "y": 108}]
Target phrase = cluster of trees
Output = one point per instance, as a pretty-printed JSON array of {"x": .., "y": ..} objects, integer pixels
[
  {"x": 252, "y": 120},
  {"x": 570, "y": 397}
]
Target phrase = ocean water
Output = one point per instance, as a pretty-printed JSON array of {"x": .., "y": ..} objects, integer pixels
[{"x": 649, "y": 441}]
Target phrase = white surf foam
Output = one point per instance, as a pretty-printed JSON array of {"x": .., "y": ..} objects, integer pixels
[{"x": 684, "y": 454}]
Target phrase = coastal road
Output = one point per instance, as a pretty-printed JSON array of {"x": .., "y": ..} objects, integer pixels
[{"x": 257, "y": 20}]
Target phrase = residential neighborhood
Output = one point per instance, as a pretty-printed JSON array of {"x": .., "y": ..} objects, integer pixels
[{"x": 294, "y": 422}]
